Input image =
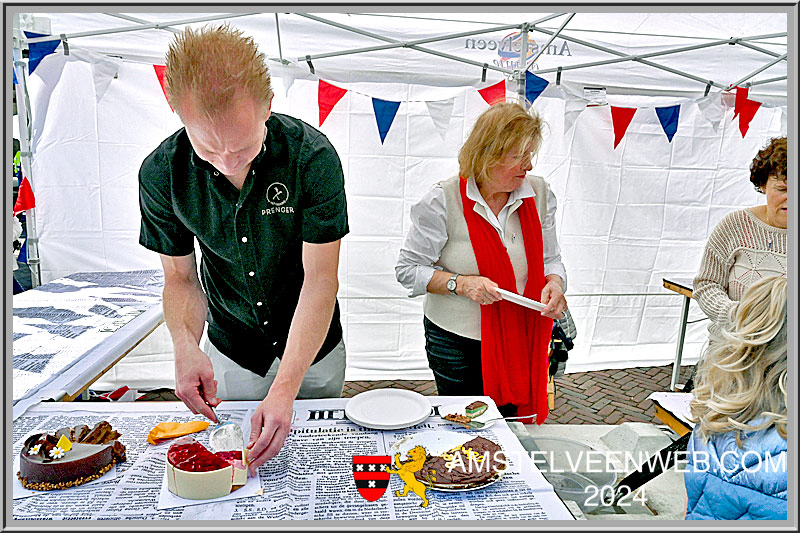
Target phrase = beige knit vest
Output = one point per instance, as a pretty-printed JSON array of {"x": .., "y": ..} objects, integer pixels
[{"x": 459, "y": 314}]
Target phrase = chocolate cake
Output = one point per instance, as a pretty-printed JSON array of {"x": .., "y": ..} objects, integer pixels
[
  {"x": 69, "y": 456},
  {"x": 481, "y": 461}
]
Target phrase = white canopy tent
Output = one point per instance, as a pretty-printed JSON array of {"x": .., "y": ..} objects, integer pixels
[{"x": 627, "y": 216}]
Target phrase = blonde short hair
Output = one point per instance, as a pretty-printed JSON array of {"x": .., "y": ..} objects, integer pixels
[
  {"x": 742, "y": 378},
  {"x": 213, "y": 67},
  {"x": 499, "y": 130}
]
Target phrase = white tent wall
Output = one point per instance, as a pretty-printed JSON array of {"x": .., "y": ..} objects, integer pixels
[{"x": 626, "y": 217}]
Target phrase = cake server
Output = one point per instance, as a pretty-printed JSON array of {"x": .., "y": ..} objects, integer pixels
[
  {"x": 474, "y": 424},
  {"x": 225, "y": 436}
]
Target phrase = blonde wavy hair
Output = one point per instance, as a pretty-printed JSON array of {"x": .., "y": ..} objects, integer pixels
[
  {"x": 212, "y": 67},
  {"x": 504, "y": 127},
  {"x": 742, "y": 377}
]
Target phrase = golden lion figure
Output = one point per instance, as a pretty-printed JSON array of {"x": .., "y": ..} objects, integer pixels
[{"x": 407, "y": 470}]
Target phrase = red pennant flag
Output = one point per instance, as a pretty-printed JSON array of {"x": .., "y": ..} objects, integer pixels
[
  {"x": 741, "y": 98},
  {"x": 160, "y": 70},
  {"x": 494, "y": 93},
  {"x": 328, "y": 96},
  {"x": 746, "y": 113},
  {"x": 621, "y": 118},
  {"x": 25, "y": 199}
]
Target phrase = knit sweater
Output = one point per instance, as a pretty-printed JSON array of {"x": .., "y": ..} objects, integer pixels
[{"x": 741, "y": 250}]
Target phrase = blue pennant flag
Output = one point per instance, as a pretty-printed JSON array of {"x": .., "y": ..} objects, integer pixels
[
  {"x": 534, "y": 86},
  {"x": 668, "y": 116},
  {"x": 23, "y": 252},
  {"x": 37, "y": 51},
  {"x": 385, "y": 112}
]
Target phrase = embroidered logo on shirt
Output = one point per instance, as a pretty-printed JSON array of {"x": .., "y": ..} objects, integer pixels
[{"x": 277, "y": 193}]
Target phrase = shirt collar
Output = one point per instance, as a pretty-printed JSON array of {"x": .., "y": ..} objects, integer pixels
[
  {"x": 205, "y": 165},
  {"x": 524, "y": 191}
]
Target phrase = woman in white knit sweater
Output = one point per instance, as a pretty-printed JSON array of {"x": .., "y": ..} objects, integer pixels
[{"x": 748, "y": 244}]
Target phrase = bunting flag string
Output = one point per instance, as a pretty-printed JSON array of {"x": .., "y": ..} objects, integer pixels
[
  {"x": 25, "y": 198},
  {"x": 440, "y": 112},
  {"x": 741, "y": 97},
  {"x": 494, "y": 93},
  {"x": 668, "y": 116},
  {"x": 385, "y": 111},
  {"x": 328, "y": 96},
  {"x": 160, "y": 70},
  {"x": 745, "y": 109},
  {"x": 534, "y": 86},
  {"x": 621, "y": 118},
  {"x": 37, "y": 51},
  {"x": 712, "y": 107}
]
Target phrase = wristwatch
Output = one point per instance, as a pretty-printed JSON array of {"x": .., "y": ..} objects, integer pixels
[{"x": 451, "y": 283}]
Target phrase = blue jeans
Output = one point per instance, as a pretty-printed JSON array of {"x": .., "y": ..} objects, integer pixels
[
  {"x": 454, "y": 360},
  {"x": 456, "y": 364}
]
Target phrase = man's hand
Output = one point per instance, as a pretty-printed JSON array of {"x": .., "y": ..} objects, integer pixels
[
  {"x": 194, "y": 381},
  {"x": 553, "y": 298},
  {"x": 270, "y": 425},
  {"x": 478, "y": 289}
]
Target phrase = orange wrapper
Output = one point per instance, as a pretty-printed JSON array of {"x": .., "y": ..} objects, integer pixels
[{"x": 169, "y": 430}]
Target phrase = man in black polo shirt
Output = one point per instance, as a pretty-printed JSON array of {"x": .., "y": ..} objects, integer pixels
[{"x": 263, "y": 194}]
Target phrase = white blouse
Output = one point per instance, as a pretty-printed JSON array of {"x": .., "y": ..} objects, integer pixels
[{"x": 428, "y": 235}]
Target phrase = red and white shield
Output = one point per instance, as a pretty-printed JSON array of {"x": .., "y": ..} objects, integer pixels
[{"x": 371, "y": 476}]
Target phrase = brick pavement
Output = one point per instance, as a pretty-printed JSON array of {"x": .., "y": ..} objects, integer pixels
[{"x": 599, "y": 397}]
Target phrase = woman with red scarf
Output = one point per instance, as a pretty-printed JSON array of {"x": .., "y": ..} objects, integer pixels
[{"x": 490, "y": 227}]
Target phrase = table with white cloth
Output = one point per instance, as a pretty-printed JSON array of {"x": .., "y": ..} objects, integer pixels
[
  {"x": 312, "y": 478},
  {"x": 70, "y": 331}
]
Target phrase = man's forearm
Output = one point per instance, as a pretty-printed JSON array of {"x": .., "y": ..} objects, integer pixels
[
  {"x": 185, "y": 308},
  {"x": 310, "y": 324}
]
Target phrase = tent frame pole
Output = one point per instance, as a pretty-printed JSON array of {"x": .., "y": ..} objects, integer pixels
[
  {"x": 639, "y": 58},
  {"x": 519, "y": 73},
  {"x": 757, "y": 71},
  {"x": 23, "y": 116},
  {"x": 151, "y": 26},
  {"x": 549, "y": 42},
  {"x": 414, "y": 44},
  {"x": 139, "y": 21}
]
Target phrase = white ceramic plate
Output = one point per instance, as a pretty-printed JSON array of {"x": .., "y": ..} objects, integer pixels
[
  {"x": 521, "y": 300},
  {"x": 388, "y": 409},
  {"x": 436, "y": 443},
  {"x": 461, "y": 409}
]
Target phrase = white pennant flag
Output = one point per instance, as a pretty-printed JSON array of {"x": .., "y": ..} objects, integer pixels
[
  {"x": 573, "y": 107},
  {"x": 440, "y": 112},
  {"x": 288, "y": 81},
  {"x": 712, "y": 109},
  {"x": 784, "y": 119},
  {"x": 104, "y": 69}
]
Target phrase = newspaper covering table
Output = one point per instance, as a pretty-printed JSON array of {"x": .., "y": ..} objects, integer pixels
[
  {"x": 77, "y": 325},
  {"x": 311, "y": 478}
]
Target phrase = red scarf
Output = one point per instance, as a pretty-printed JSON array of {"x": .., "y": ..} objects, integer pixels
[{"x": 514, "y": 339}]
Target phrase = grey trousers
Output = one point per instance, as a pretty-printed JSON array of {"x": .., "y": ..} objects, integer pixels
[{"x": 324, "y": 379}]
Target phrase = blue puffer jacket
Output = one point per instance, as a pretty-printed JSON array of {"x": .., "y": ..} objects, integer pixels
[{"x": 735, "y": 483}]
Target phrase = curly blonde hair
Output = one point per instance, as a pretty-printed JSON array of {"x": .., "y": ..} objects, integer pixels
[
  {"x": 212, "y": 67},
  {"x": 500, "y": 129},
  {"x": 742, "y": 378}
]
